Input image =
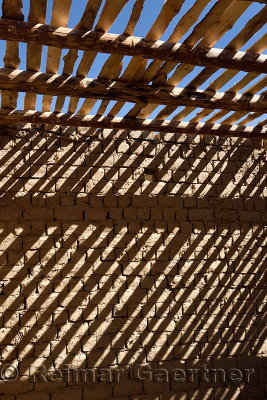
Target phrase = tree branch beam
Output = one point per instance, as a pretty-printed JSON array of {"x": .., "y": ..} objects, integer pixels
[
  {"x": 256, "y": 1},
  {"x": 132, "y": 46},
  {"x": 36, "y": 117},
  {"x": 60, "y": 85}
]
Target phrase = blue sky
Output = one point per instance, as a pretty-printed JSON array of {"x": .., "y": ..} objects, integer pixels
[{"x": 149, "y": 14}]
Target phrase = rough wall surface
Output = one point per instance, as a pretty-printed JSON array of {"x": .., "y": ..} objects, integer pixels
[{"x": 123, "y": 250}]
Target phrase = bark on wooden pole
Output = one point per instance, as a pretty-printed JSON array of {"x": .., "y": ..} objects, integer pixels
[
  {"x": 133, "y": 46},
  {"x": 36, "y": 117},
  {"x": 57, "y": 85}
]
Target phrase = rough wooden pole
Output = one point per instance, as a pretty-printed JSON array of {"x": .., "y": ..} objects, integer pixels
[
  {"x": 256, "y": 1},
  {"x": 133, "y": 46},
  {"x": 36, "y": 117},
  {"x": 26, "y": 81}
]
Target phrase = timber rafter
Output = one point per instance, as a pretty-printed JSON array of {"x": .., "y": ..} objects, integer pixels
[
  {"x": 135, "y": 93},
  {"x": 65, "y": 38},
  {"x": 257, "y": 1},
  {"x": 37, "y": 117}
]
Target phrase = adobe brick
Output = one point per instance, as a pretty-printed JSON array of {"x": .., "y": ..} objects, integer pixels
[
  {"x": 95, "y": 214},
  {"x": 200, "y": 215},
  {"x": 141, "y": 201}
]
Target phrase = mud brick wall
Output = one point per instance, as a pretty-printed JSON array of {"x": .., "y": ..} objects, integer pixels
[{"x": 126, "y": 249}]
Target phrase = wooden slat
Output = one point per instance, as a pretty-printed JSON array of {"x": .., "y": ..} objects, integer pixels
[
  {"x": 181, "y": 115},
  {"x": 250, "y": 117},
  {"x": 260, "y": 45},
  {"x": 247, "y": 118},
  {"x": 218, "y": 115},
  {"x": 183, "y": 25},
  {"x": 87, "y": 21},
  {"x": 112, "y": 90},
  {"x": 37, "y": 15},
  {"x": 13, "y": 117},
  {"x": 234, "y": 117},
  {"x": 137, "y": 65},
  {"x": 209, "y": 21},
  {"x": 257, "y": 1},
  {"x": 112, "y": 67},
  {"x": 226, "y": 22},
  {"x": 129, "y": 45},
  {"x": 221, "y": 81},
  {"x": 255, "y": 88},
  {"x": 230, "y": 15},
  {"x": 225, "y": 77},
  {"x": 134, "y": 18},
  {"x": 12, "y": 9},
  {"x": 263, "y": 123},
  {"x": 253, "y": 26},
  {"x": 111, "y": 10},
  {"x": 60, "y": 17},
  {"x": 212, "y": 19},
  {"x": 243, "y": 82}
]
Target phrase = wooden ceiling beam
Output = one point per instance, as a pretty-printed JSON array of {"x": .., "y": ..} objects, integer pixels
[
  {"x": 36, "y": 117},
  {"x": 256, "y": 1},
  {"x": 57, "y": 85},
  {"x": 132, "y": 46}
]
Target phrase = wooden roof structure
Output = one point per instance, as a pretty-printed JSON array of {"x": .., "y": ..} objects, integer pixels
[{"x": 151, "y": 77}]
